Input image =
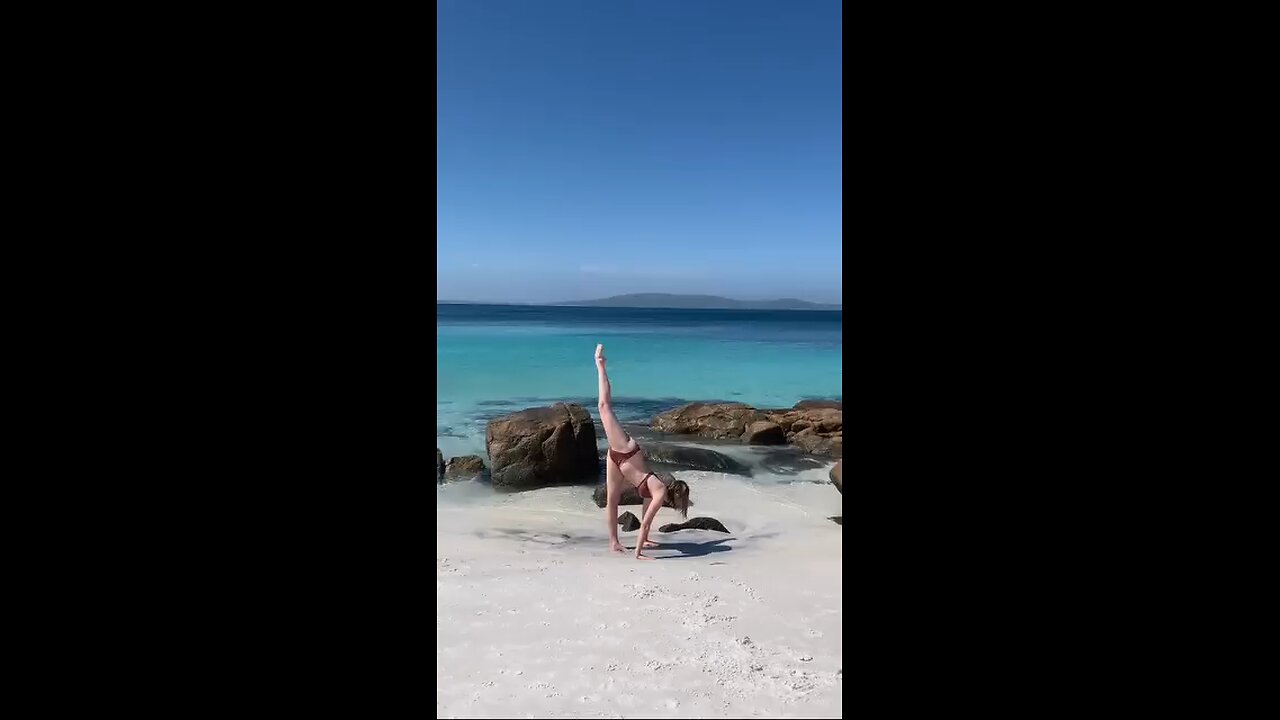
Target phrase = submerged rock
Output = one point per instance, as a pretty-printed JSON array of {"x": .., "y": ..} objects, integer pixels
[
  {"x": 439, "y": 465},
  {"x": 692, "y": 458},
  {"x": 464, "y": 467},
  {"x": 629, "y": 521},
  {"x": 542, "y": 446},
  {"x": 789, "y": 461},
  {"x": 698, "y": 523}
]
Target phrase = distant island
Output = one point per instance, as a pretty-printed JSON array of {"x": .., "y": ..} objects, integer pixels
[{"x": 664, "y": 300}]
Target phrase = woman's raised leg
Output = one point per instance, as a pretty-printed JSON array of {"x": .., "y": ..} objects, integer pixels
[{"x": 618, "y": 438}]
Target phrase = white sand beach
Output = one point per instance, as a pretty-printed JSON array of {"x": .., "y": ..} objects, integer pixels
[{"x": 536, "y": 618}]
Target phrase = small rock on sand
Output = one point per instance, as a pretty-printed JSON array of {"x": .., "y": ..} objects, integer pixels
[
  {"x": 629, "y": 521},
  {"x": 698, "y": 523}
]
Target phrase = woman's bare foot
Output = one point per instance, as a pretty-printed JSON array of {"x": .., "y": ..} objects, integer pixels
[
  {"x": 616, "y": 547},
  {"x": 650, "y": 543},
  {"x": 639, "y": 556},
  {"x": 599, "y": 354}
]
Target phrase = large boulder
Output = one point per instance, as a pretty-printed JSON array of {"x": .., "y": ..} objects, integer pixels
[
  {"x": 698, "y": 523},
  {"x": 542, "y": 446},
  {"x": 682, "y": 457},
  {"x": 763, "y": 432},
  {"x": 724, "y": 420},
  {"x": 837, "y": 476},
  {"x": 464, "y": 467},
  {"x": 439, "y": 465},
  {"x": 629, "y": 521}
]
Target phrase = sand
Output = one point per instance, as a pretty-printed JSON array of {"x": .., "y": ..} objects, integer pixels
[{"x": 536, "y": 618}]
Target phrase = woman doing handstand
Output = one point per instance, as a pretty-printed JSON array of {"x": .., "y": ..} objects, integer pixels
[{"x": 626, "y": 468}]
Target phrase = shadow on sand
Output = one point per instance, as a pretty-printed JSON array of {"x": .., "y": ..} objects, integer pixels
[
  {"x": 563, "y": 540},
  {"x": 688, "y": 549}
]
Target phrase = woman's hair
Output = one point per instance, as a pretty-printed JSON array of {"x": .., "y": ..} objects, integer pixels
[{"x": 677, "y": 493}]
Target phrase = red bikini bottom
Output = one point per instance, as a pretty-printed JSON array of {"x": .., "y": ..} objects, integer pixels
[{"x": 618, "y": 457}]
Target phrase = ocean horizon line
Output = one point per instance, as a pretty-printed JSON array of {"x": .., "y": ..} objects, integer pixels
[{"x": 840, "y": 307}]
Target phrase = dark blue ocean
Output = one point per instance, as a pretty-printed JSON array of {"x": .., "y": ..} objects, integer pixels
[{"x": 496, "y": 359}]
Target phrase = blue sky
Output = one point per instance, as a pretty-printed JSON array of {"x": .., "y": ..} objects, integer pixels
[{"x": 590, "y": 148}]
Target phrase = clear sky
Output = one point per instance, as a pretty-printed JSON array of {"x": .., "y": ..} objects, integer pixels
[{"x": 588, "y": 148}]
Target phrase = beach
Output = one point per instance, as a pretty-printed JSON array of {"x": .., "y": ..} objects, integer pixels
[{"x": 536, "y": 618}]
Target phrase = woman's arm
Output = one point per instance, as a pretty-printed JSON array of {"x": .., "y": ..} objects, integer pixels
[{"x": 649, "y": 514}]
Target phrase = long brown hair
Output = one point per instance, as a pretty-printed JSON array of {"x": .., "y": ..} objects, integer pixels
[{"x": 677, "y": 494}]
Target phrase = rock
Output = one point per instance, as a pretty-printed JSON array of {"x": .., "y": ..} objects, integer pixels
[
  {"x": 713, "y": 420},
  {"x": 818, "y": 404},
  {"x": 837, "y": 519},
  {"x": 763, "y": 432},
  {"x": 815, "y": 444},
  {"x": 698, "y": 523},
  {"x": 439, "y": 465},
  {"x": 827, "y": 421},
  {"x": 692, "y": 458},
  {"x": 629, "y": 521},
  {"x": 822, "y": 420},
  {"x": 630, "y": 496},
  {"x": 813, "y": 426},
  {"x": 818, "y": 431},
  {"x": 542, "y": 446},
  {"x": 464, "y": 467},
  {"x": 837, "y": 478}
]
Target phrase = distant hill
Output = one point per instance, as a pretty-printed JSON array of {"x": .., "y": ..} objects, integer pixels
[{"x": 663, "y": 300}]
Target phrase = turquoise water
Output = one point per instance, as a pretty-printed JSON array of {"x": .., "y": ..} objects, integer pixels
[{"x": 495, "y": 359}]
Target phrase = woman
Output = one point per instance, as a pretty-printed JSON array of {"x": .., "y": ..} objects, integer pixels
[{"x": 626, "y": 468}]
